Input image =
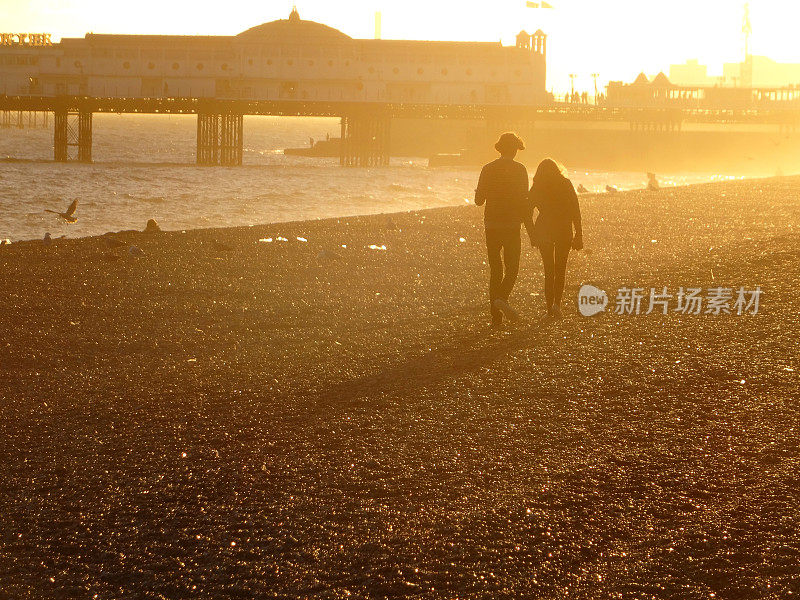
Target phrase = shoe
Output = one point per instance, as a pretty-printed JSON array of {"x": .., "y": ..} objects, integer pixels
[
  {"x": 556, "y": 311},
  {"x": 506, "y": 309}
]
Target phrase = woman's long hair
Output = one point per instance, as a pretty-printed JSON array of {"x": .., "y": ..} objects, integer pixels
[{"x": 549, "y": 173}]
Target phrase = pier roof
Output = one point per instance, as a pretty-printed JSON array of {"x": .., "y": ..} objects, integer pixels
[{"x": 293, "y": 30}]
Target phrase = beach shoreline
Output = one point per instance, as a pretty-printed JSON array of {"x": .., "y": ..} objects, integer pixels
[
  {"x": 122, "y": 189},
  {"x": 330, "y": 414},
  {"x": 468, "y": 202}
]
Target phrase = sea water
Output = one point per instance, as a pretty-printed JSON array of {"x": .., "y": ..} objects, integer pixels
[{"x": 144, "y": 169}]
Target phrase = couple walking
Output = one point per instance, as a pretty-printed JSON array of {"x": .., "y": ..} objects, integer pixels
[{"x": 503, "y": 188}]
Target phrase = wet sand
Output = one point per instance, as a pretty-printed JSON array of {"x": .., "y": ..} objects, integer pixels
[{"x": 268, "y": 422}]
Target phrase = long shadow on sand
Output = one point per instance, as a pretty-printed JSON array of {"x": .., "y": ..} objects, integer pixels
[{"x": 454, "y": 357}]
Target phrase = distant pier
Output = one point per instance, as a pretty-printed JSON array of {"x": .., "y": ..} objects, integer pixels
[
  {"x": 295, "y": 67},
  {"x": 365, "y": 128}
]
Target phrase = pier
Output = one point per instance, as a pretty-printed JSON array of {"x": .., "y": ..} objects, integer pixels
[
  {"x": 364, "y": 129},
  {"x": 294, "y": 67},
  {"x": 24, "y": 119}
]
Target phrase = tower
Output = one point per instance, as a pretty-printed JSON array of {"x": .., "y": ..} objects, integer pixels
[
  {"x": 540, "y": 43},
  {"x": 747, "y": 65},
  {"x": 535, "y": 43}
]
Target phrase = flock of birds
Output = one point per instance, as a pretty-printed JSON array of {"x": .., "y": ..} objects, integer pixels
[
  {"x": 113, "y": 243},
  {"x": 652, "y": 185}
]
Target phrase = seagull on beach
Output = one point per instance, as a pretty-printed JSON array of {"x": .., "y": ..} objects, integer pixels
[
  {"x": 112, "y": 242},
  {"x": 135, "y": 251},
  {"x": 652, "y": 182},
  {"x": 582, "y": 189},
  {"x": 611, "y": 189},
  {"x": 47, "y": 240},
  {"x": 69, "y": 215}
]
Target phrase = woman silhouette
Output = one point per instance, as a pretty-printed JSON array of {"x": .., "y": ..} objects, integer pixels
[{"x": 554, "y": 196}]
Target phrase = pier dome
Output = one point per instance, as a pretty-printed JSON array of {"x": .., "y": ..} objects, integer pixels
[{"x": 293, "y": 30}]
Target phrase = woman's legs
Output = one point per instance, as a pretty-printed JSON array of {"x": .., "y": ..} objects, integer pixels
[
  {"x": 547, "y": 251},
  {"x": 561, "y": 254}
]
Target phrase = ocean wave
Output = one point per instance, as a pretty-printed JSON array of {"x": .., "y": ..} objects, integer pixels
[
  {"x": 11, "y": 159},
  {"x": 147, "y": 199}
]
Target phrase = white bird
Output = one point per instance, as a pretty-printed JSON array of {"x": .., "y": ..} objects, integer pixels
[
  {"x": 69, "y": 214},
  {"x": 47, "y": 240}
]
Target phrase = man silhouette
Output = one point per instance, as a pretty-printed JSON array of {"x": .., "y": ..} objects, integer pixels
[{"x": 503, "y": 188}]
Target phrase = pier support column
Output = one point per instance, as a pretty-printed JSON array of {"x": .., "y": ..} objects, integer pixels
[
  {"x": 231, "y": 145},
  {"x": 365, "y": 140},
  {"x": 499, "y": 120},
  {"x": 207, "y": 139},
  {"x": 22, "y": 119},
  {"x": 72, "y": 130},
  {"x": 220, "y": 139},
  {"x": 658, "y": 121}
]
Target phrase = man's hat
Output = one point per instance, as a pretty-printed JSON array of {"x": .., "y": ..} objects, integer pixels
[{"x": 509, "y": 142}]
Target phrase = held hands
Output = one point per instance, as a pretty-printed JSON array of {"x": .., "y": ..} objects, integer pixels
[
  {"x": 577, "y": 242},
  {"x": 533, "y": 235}
]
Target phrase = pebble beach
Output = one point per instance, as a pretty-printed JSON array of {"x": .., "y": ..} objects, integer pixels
[{"x": 319, "y": 409}]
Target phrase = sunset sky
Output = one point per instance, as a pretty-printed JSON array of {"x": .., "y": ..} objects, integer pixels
[{"x": 616, "y": 38}]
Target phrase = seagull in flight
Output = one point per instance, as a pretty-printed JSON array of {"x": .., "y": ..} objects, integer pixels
[{"x": 69, "y": 215}]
